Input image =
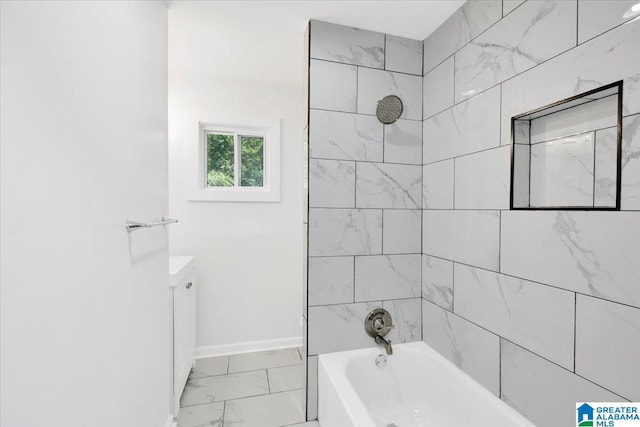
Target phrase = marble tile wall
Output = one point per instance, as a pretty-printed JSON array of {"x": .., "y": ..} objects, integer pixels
[
  {"x": 365, "y": 190},
  {"x": 521, "y": 300}
]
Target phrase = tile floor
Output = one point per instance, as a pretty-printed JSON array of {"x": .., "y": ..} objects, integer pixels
[{"x": 262, "y": 389}]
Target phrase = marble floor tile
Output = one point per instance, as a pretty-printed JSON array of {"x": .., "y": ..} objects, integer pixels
[
  {"x": 209, "y": 415},
  {"x": 264, "y": 360},
  {"x": 273, "y": 410},
  {"x": 286, "y": 378},
  {"x": 210, "y": 366},
  {"x": 223, "y": 387}
]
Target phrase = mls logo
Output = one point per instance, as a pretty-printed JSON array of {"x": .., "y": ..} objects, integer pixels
[{"x": 585, "y": 415}]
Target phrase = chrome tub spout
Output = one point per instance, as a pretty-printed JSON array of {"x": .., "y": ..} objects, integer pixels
[{"x": 387, "y": 344}]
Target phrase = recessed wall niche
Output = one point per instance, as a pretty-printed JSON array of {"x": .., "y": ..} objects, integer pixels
[{"x": 566, "y": 156}]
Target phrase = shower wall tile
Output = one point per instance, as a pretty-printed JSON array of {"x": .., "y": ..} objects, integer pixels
[
  {"x": 597, "y": 16},
  {"x": 333, "y": 86},
  {"x": 594, "y": 253},
  {"x": 403, "y": 142},
  {"x": 373, "y": 85},
  {"x": 339, "y": 327},
  {"x": 334, "y": 232},
  {"x": 509, "y": 5},
  {"x": 576, "y": 72},
  {"x": 562, "y": 172},
  {"x": 482, "y": 180},
  {"x": 630, "y": 197},
  {"x": 312, "y": 388},
  {"x": 403, "y": 55},
  {"x": 614, "y": 365},
  {"x": 345, "y": 136},
  {"x": 332, "y": 183},
  {"x": 531, "y": 34},
  {"x": 380, "y": 185},
  {"x": 331, "y": 280},
  {"x": 437, "y": 281},
  {"x": 606, "y": 146},
  {"x": 401, "y": 231},
  {"x": 437, "y": 89},
  {"x": 386, "y": 277},
  {"x": 470, "y": 237},
  {"x": 339, "y": 43},
  {"x": 527, "y": 382},
  {"x": 437, "y": 185},
  {"x": 539, "y": 318},
  {"x": 474, "y": 350},
  {"x": 470, "y": 126},
  {"x": 466, "y": 23},
  {"x": 407, "y": 319}
]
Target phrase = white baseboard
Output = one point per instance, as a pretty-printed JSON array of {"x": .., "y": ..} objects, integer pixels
[{"x": 247, "y": 347}]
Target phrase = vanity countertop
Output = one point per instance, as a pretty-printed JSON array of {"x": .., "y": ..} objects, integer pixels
[{"x": 179, "y": 268}]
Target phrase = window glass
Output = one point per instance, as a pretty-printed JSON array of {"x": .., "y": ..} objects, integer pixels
[
  {"x": 220, "y": 160},
  {"x": 252, "y": 161}
]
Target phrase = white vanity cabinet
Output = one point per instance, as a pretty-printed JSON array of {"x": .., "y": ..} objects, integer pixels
[{"x": 183, "y": 302}]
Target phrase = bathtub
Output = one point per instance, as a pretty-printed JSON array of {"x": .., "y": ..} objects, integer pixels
[{"x": 416, "y": 387}]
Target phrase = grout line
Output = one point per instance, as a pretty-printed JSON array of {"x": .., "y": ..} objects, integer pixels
[
  {"x": 353, "y": 300},
  {"x": 382, "y": 234},
  {"x": 530, "y": 155},
  {"x": 453, "y": 201},
  {"x": 500, "y": 367},
  {"x": 373, "y": 116},
  {"x": 594, "y": 167},
  {"x": 577, "y": 22},
  {"x": 366, "y": 301},
  {"x": 357, "y": 86},
  {"x": 469, "y": 154},
  {"x": 376, "y": 163},
  {"x": 224, "y": 410},
  {"x": 384, "y": 54},
  {"x": 454, "y": 79},
  {"x": 268, "y": 382},
  {"x": 453, "y": 286},
  {"x": 535, "y": 282},
  {"x": 499, "y": 241},
  {"x": 500, "y": 118},
  {"x": 382, "y": 70}
]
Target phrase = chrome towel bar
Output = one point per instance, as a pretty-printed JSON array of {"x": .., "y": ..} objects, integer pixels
[{"x": 136, "y": 225}]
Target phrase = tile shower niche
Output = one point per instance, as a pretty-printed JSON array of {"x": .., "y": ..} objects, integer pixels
[{"x": 567, "y": 155}]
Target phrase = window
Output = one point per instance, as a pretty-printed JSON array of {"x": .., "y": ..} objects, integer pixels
[
  {"x": 234, "y": 160},
  {"x": 238, "y": 163}
]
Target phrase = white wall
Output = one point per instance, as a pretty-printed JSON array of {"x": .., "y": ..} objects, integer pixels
[
  {"x": 85, "y": 306},
  {"x": 249, "y": 255}
]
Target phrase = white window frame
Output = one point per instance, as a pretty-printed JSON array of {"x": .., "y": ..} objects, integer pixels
[{"x": 269, "y": 192}]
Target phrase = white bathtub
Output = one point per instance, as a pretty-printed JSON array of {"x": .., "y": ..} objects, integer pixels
[{"x": 417, "y": 387}]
